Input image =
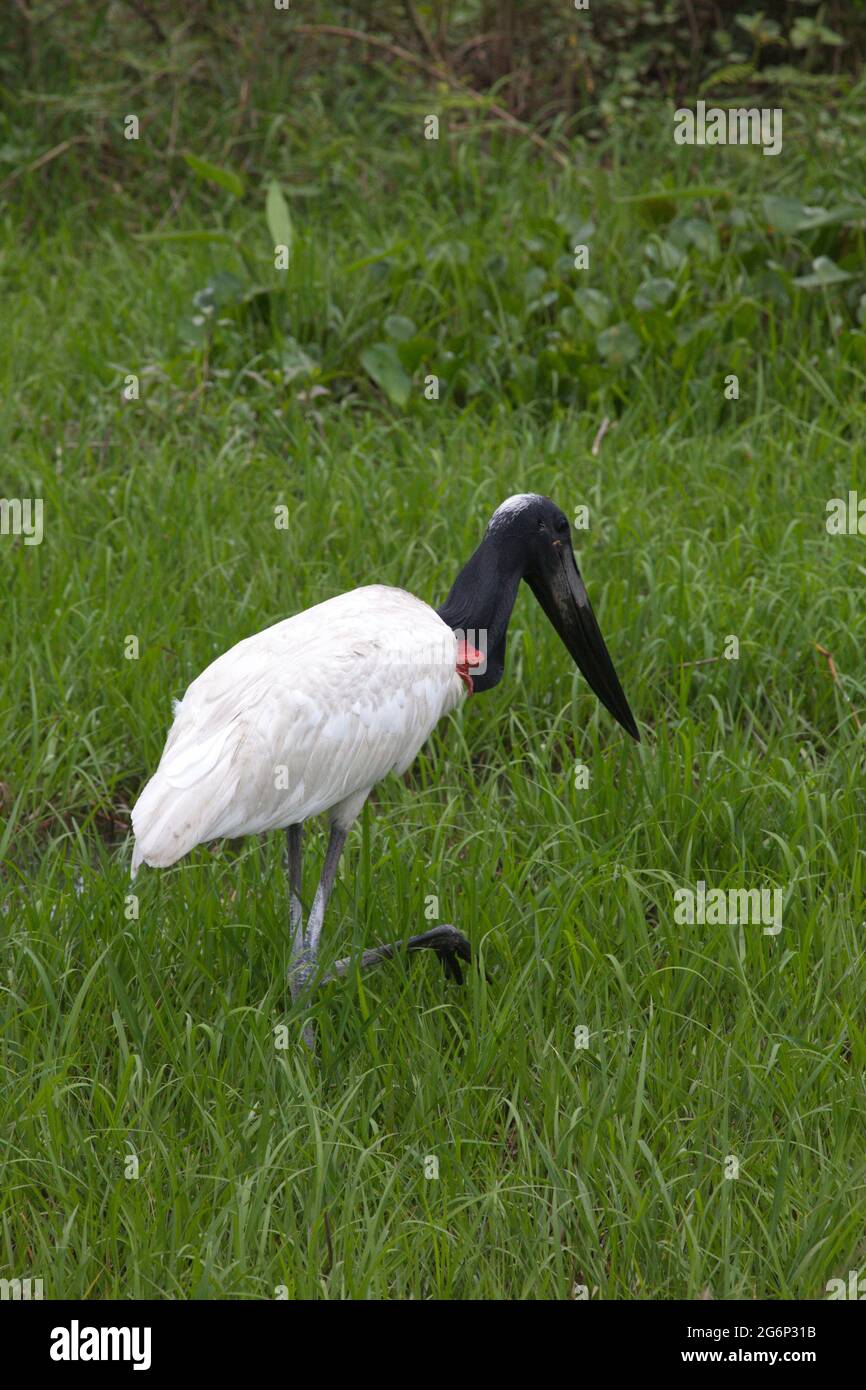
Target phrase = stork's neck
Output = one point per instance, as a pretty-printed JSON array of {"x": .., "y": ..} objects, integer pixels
[{"x": 481, "y": 599}]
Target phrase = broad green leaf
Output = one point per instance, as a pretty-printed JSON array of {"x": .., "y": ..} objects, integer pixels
[
  {"x": 824, "y": 272},
  {"x": 278, "y": 219},
  {"x": 664, "y": 253},
  {"x": 654, "y": 293},
  {"x": 203, "y": 169},
  {"x": 618, "y": 344},
  {"x": 193, "y": 329},
  {"x": 706, "y": 328},
  {"x": 569, "y": 323},
  {"x": 295, "y": 362},
  {"x": 384, "y": 366},
  {"x": 594, "y": 306},
  {"x": 807, "y": 31},
  {"x": 578, "y": 230},
  {"x": 544, "y": 301},
  {"x": 789, "y": 215},
  {"x": 534, "y": 281},
  {"x": 399, "y": 328},
  {"x": 699, "y": 233},
  {"x": 221, "y": 291}
]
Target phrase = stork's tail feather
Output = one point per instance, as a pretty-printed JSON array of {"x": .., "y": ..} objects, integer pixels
[
  {"x": 185, "y": 802},
  {"x": 168, "y": 822}
]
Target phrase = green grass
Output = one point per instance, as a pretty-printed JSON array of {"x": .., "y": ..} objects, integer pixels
[{"x": 261, "y": 1167}]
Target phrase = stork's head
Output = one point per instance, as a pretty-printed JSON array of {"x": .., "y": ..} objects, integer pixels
[{"x": 530, "y": 533}]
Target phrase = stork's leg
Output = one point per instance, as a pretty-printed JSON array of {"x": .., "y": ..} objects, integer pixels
[
  {"x": 450, "y": 945},
  {"x": 336, "y": 842},
  {"x": 294, "y": 836},
  {"x": 305, "y": 946}
]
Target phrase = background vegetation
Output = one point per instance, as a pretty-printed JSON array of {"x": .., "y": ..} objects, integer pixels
[{"x": 259, "y": 1167}]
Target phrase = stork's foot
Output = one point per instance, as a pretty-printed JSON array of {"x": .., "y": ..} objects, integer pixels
[
  {"x": 300, "y": 970},
  {"x": 450, "y": 945},
  {"x": 302, "y": 967}
]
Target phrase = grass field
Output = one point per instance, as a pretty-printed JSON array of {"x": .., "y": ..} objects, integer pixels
[{"x": 260, "y": 1167}]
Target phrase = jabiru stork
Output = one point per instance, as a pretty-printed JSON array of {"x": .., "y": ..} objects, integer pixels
[{"x": 308, "y": 715}]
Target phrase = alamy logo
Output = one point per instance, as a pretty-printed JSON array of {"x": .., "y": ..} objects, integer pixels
[
  {"x": 735, "y": 126},
  {"x": 22, "y": 516},
  {"x": 846, "y": 518},
  {"x": 77, "y": 1343},
  {"x": 855, "y": 1288},
  {"x": 20, "y": 1289},
  {"x": 746, "y": 906}
]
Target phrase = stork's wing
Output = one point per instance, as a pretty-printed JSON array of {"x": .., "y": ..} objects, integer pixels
[{"x": 294, "y": 720}]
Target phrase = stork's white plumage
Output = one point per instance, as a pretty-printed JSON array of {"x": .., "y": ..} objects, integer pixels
[
  {"x": 302, "y": 718},
  {"x": 310, "y": 714}
]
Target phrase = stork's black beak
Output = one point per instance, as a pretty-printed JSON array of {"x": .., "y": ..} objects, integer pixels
[{"x": 557, "y": 585}]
